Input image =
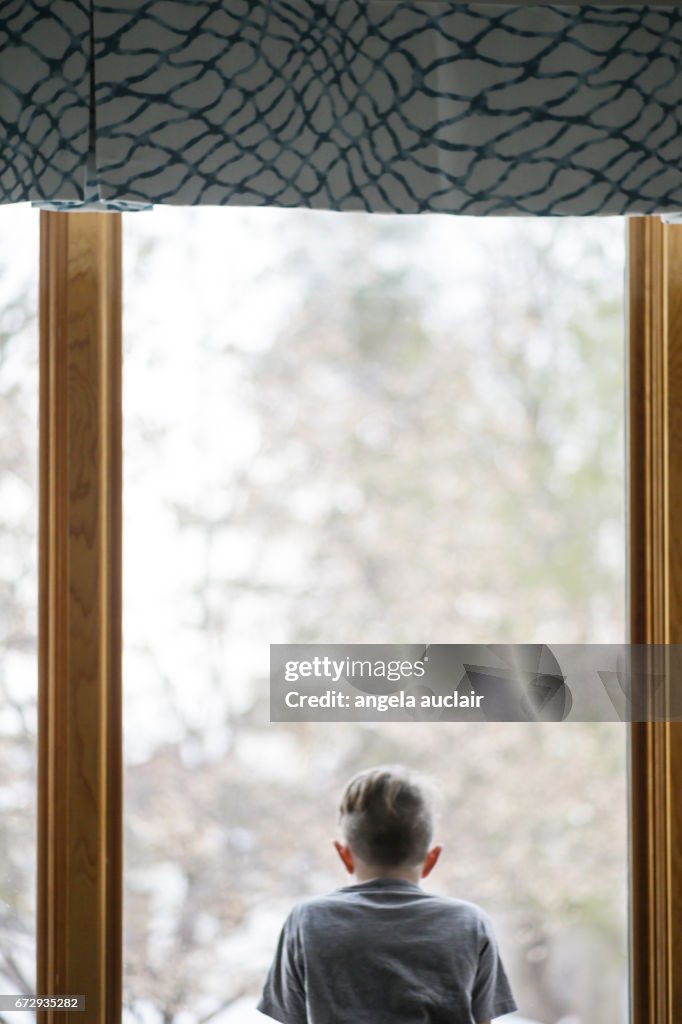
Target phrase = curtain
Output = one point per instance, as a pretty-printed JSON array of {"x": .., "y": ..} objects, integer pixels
[
  {"x": 382, "y": 105},
  {"x": 45, "y": 66}
]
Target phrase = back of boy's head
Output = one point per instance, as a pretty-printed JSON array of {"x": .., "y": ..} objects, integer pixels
[{"x": 387, "y": 817}]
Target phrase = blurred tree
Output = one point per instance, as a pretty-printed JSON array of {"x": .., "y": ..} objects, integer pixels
[
  {"x": 18, "y": 598},
  {"x": 388, "y": 440},
  {"x": 435, "y": 455}
]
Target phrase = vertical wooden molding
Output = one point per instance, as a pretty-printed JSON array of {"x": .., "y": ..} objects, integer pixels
[
  {"x": 79, "y": 826},
  {"x": 655, "y": 596}
]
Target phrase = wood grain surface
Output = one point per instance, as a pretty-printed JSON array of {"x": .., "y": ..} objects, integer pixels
[
  {"x": 655, "y": 600},
  {"x": 79, "y": 815}
]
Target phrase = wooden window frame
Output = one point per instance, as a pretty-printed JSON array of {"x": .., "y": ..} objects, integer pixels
[
  {"x": 654, "y": 430},
  {"x": 79, "y": 931},
  {"x": 79, "y": 663}
]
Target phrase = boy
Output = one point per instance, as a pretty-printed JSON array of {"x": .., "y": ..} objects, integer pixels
[{"x": 382, "y": 951}]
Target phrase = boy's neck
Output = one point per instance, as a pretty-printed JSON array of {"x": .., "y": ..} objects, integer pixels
[{"x": 365, "y": 873}]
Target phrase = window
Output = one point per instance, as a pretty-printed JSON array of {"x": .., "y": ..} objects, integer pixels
[
  {"x": 363, "y": 429},
  {"x": 18, "y": 595}
]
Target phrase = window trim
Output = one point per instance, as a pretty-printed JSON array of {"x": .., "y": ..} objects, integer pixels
[
  {"x": 79, "y": 706},
  {"x": 654, "y": 413}
]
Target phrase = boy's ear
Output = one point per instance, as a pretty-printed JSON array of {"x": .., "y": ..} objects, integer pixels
[
  {"x": 430, "y": 860},
  {"x": 345, "y": 855}
]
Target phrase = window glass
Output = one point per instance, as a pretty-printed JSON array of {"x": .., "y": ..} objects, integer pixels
[
  {"x": 18, "y": 596},
  {"x": 354, "y": 428}
]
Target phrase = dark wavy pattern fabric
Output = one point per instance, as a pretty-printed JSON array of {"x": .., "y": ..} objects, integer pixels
[
  {"x": 44, "y": 99},
  {"x": 391, "y": 106},
  {"x": 383, "y": 105}
]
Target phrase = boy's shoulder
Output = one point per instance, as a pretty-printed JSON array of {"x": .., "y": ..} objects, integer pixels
[{"x": 409, "y": 896}]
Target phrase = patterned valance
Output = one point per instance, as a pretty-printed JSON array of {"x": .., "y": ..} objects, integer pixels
[
  {"x": 384, "y": 105},
  {"x": 45, "y": 76}
]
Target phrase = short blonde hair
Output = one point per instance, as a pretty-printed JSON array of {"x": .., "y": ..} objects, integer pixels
[{"x": 386, "y": 816}]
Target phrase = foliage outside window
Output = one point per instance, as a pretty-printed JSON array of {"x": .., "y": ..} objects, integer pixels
[{"x": 365, "y": 429}]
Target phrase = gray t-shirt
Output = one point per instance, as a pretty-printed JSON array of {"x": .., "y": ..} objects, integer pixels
[{"x": 386, "y": 952}]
